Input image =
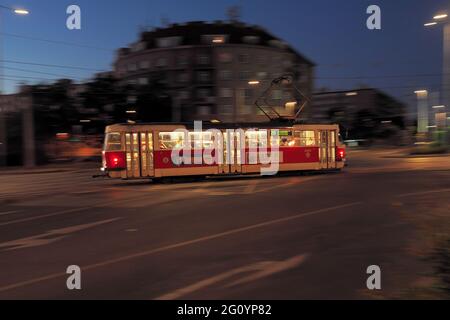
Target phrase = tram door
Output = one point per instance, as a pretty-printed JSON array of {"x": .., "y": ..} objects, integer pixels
[
  {"x": 232, "y": 153},
  {"x": 139, "y": 151},
  {"x": 327, "y": 148}
]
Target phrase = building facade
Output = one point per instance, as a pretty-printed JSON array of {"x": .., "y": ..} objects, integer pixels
[
  {"x": 362, "y": 114},
  {"x": 207, "y": 67}
]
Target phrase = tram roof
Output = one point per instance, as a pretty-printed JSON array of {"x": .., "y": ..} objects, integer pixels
[
  {"x": 168, "y": 126},
  {"x": 211, "y": 125}
]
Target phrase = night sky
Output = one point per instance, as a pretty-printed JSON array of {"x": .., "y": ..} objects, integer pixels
[{"x": 331, "y": 33}]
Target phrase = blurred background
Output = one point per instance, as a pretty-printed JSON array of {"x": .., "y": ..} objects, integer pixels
[
  {"x": 298, "y": 235},
  {"x": 169, "y": 61}
]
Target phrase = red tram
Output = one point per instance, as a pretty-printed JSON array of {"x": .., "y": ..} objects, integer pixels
[{"x": 143, "y": 151}]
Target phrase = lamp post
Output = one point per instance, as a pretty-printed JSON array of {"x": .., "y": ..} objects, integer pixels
[
  {"x": 422, "y": 113},
  {"x": 3, "y": 131},
  {"x": 443, "y": 19}
]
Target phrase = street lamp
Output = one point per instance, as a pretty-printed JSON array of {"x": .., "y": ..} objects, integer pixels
[
  {"x": 17, "y": 11},
  {"x": 438, "y": 19}
]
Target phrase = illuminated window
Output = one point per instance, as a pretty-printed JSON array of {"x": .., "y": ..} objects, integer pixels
[
  {"x": 286, "y": 138},
  {"x": 171, "y": 140},
  {"x": 113, "y": 142},
  {"x": 214, "y": 39},
  {"x": 305, "y": 138}
]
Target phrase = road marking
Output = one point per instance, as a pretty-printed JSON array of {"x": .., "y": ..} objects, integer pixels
[
  {"x": 49, "y": 236},
  {"x": 260, "y": 269},
  {"x": 43, "y": 216},
  {"x": 111, "y": 203},
  {"x": 422, "y": 193},
  {"x": 8, "y": 212},
  {"x": 179, "y": 245}
]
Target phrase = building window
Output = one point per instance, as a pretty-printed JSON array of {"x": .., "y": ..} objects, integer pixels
[
  {"x": 203, "y": 110},
  {"x": 226, "y": 109},
  {"x": 143, "y": 81},
  {"x": 203, "y": 59},
  {"x": 203, "y": 76},
  {"x": 161, "y": 62},
  {"x": 203, "y": 93},
  {"x": 251, "y": 39},
  {"x": 226, "y": 92},
  {"x": 138, "y": 46},
  {"x": 244, "y": 75},
  {"x": 132, "y": 67},
  {"x": 183, "y": 61},
  {"x": 168, "y": 42},
  {"x": 214, "y": 39},
  {"x": 183, "y": 77},
  {"x": 287, "y": 63},
  {"x": 184, "y": 95},
  {"x": 145, "y": 64},
  {"x": 244, "y": 58},
  {"x": 277, "y": 44},
  {"x": 225, "y": 57},
  {"x": 263, "y": 75},
  {"x": 226, "y": 75}
]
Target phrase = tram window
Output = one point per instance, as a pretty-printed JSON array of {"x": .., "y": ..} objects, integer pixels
[
  {"x": 286, "y": 139},
  {"x": 263, "y": 138},
  {"x": 305, "y": 138},
  {"x": 196, "y": 140},
  {"x": 251, "y": 138},
  {"x": 171, "y": 140},
  {"x": 113, "y": 142},
  {"x": 208, "y": 142}
]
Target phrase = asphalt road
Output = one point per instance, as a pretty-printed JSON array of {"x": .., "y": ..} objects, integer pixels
[{"x": 286, "y": 237}]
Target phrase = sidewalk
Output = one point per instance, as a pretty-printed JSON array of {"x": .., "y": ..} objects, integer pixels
[
  {"x": 395, "y": 152},
  {"x": 50, "y": 168}
]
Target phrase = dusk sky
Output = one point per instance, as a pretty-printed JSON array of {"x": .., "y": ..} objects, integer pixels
[{"x": 331, "y": 33}]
